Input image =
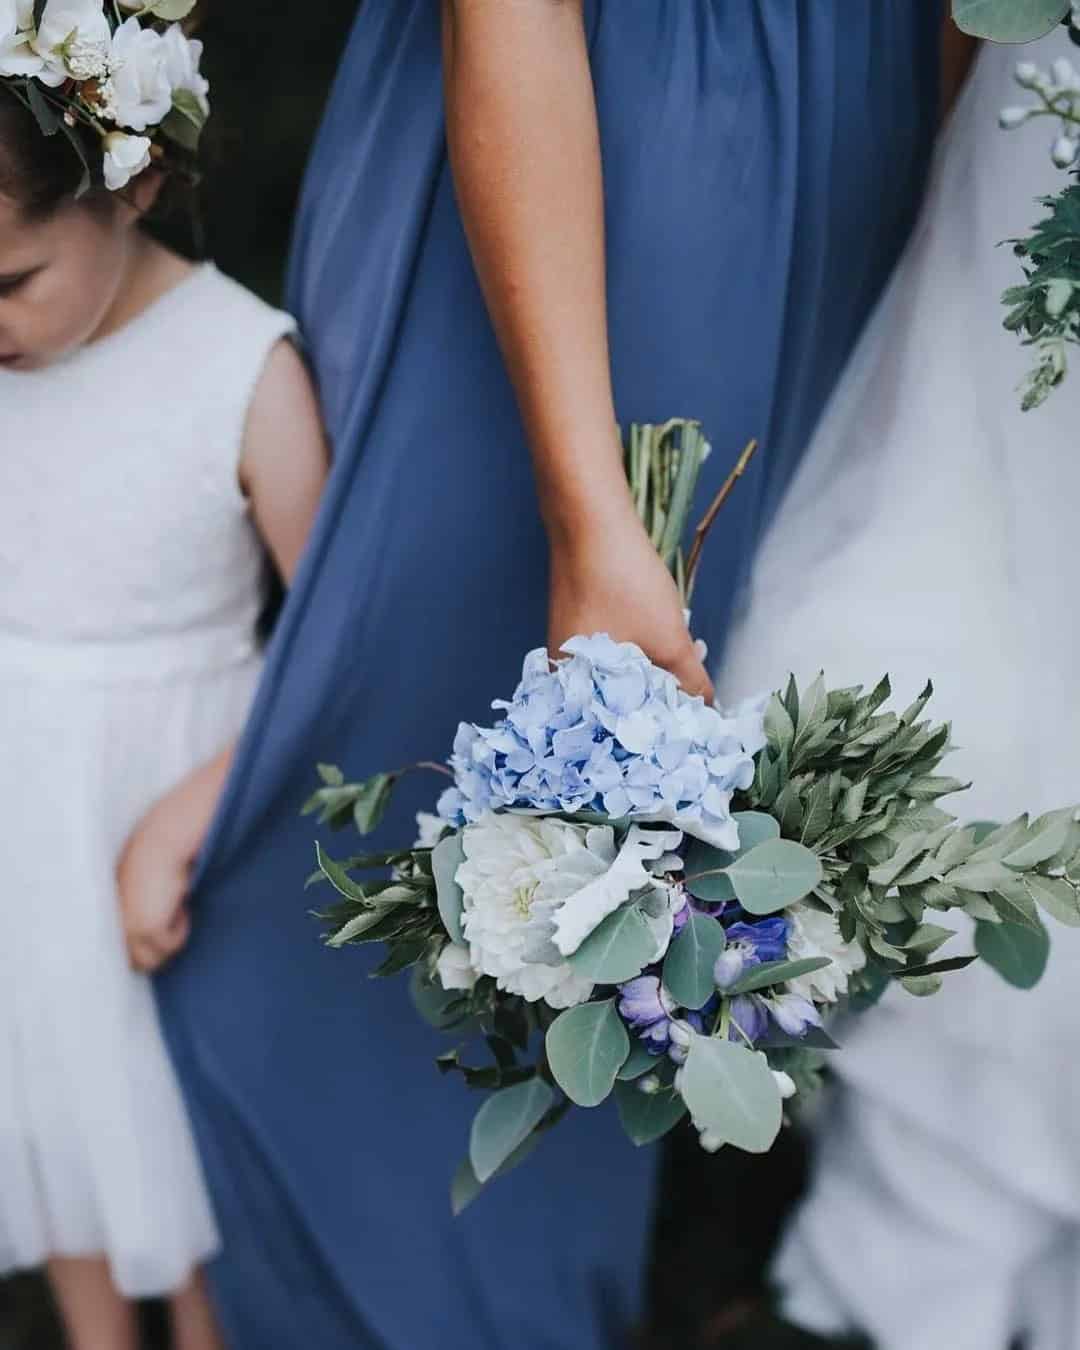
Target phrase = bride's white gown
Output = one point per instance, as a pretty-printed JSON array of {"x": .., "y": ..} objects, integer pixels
[{"x": 934, "y": 530}]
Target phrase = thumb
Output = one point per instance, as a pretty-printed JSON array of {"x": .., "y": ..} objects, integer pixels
[{"x": 692, "y": 675}]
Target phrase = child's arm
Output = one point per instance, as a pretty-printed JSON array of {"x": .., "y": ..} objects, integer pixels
[{"x": 282, "y": 470}]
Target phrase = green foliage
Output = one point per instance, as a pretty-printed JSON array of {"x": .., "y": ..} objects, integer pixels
[
  {"x": 619, "y": 949},
  {"x": 1046, "y": 307},
  {"x": 586, "y": 1048},
  {"x": 446, "y": 857},
  {"x": 731, "y": 1093},
  {"x": 774, "y": 875},
  {"x": 1008, "y": 20},
  {"x": 648, "y": 1116},
  {"x": 688, "y": 967},
  {"x": 503, "y": 1124},
  {"x": 860, "y": 786},
  {"x": 772, "y": 973},
  {"x": 1018, "y": 954}
]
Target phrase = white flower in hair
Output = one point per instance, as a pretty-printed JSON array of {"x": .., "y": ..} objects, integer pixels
[
  {"x": 141, "y": 89},
  {"x": 125, "y": 158},
  {"x": 182, "y": 58},
  {"x": 72, "y": 41},
  {"x": 17, "y": 56}
]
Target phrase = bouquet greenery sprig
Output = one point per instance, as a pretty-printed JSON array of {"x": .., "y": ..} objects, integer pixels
[
  {"x": 1045, "y": 308},
  {"x": 626, "y": 893}
]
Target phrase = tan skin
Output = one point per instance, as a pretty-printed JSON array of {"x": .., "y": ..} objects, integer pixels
[
  {"x": 525, "y": 152},
  {"x": 67, "y": 280}
]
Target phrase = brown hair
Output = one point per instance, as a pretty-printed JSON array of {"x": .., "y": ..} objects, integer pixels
[{"x": 39, "y": 172}]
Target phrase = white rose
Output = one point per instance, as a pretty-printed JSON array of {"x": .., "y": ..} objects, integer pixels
[
  {"x": 140, "y": 80},
  {"x": 813, "y": 933},
  {"x": 455, "y": 967},
  {"x": 125, "y": 158},
  {"x": 17, "y": 56},
  {"x": 182, "y": 58},
  {"x": 72, "y": 41},
  {"x": 535, "y": 887}
]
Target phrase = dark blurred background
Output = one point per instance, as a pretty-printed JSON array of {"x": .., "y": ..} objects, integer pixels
[{"x": 271, "y": 67}]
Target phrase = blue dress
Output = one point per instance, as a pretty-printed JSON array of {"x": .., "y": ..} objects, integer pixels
[{"x": 762, "y": 160}]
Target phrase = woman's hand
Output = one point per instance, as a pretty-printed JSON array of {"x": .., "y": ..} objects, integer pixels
[
  {"x": 152, "y": 880},
  {"x": 154, "y": 871},
  {"x": 606, "y": 577}
]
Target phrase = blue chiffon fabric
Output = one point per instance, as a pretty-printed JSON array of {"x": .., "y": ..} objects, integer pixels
[{"x": 762, "y": 161}]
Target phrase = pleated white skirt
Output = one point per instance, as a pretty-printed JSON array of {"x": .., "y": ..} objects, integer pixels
[{"x": 96, "y": 1152}]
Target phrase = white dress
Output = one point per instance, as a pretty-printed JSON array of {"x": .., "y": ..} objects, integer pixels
[
  {"x": 130, "y": 583},
  {"x": 932, "y": 532}
]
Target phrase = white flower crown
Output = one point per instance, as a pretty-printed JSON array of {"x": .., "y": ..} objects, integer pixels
[{"x": 83, "y": 64}]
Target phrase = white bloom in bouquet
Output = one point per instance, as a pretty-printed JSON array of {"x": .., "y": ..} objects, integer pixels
[
  {"x": 72, "y": 41},
  {"x": 125, "y": 158},
  {"x": 142, "y": 91},
  {"x": 455, "y": 968},
  {"x": 182, "y": 58},
  {"x": 535, "y": 887},
  {"x": 812, "y": 933},
  {"x": 17, "y": 56}
]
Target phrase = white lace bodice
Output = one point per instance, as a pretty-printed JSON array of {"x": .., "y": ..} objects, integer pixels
[{"x": 121, "y": 514}]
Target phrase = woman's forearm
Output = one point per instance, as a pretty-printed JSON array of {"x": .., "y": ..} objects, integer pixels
[{"x": 524, "y": 147}]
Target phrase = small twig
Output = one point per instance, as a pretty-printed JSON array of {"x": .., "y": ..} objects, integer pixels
[
  {"x": 709, "y": 518},
  {"x": 430, "y": 764}
]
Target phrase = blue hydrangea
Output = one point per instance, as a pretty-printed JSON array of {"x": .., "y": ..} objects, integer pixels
[{"x": 606, "y": 730}]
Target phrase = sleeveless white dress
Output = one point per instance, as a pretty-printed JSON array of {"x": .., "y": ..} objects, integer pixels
[
  {"x": 932, "y": 532},
  {"x": 130, "y": 583}
]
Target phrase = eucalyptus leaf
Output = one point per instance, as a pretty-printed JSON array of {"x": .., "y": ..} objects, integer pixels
[
  {"x": 466, "y": 1186},
  {"x": 639, "y": 1063},
  {"x": 1008, "y": 20},
  {"x": 755, "y": 827},
  {"x": 731, "y": 1092},
  {"x": 616, "y": 950},
  {"x": 647, "y": 1117},
  {"x": 774, "y": 875},
  {"x": 771, "y": 973},
  {"x": 446, "y": 857},
  {"x": 704, "y": 872},
  {"x": 586, "y": 1048},
  {"x": 688, "y": 966},
  {"x": 504, "y": 1122},
  {"x": 1018, "y": 954},
  {"x": 432, "y": 1001}
]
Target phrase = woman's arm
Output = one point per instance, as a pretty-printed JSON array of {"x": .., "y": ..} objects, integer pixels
[{"x": 525, "y": 151}]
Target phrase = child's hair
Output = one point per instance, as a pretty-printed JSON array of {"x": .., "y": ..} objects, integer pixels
[{"x": 39, "y": 173}]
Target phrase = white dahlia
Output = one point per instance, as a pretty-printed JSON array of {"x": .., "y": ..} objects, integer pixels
[
  {"x": 535, "y": 887},
  {"x": 811, "y": 932}
]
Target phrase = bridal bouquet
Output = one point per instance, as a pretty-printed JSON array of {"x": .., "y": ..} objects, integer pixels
[{"x": 626, "y": 892}]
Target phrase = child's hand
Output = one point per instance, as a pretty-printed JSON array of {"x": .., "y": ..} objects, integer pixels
[
  {"x": 152, "y": 878},
  {"x": 155, "y": 867}
]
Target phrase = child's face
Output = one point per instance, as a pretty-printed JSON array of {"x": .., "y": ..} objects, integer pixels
[{"x": 59, "y": 277}]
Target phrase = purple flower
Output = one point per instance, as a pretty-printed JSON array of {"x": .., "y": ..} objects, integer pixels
[
  {"x": 749, "y": 1018},
  {"x": 748, "y": 945},
  {"x": 792, "y": 1013},
  {"x": 647, "y": 1008}
]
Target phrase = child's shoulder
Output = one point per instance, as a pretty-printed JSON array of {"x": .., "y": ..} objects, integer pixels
[{"x": 230, "y": 311}]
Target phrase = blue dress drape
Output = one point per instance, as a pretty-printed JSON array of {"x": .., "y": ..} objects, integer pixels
[{"x": 762, "y": 161}]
